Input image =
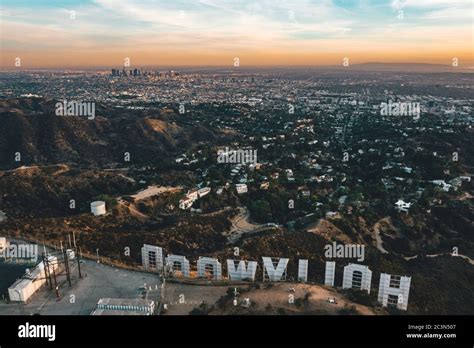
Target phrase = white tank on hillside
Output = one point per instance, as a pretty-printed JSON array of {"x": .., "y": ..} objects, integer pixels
[{"x": 98, "y": 208}]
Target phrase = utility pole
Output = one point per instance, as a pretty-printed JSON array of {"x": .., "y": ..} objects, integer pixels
[
  {"x": 77, "y": 254},
  {"x": 66, "y": 264},
  {"x": 55, "y": 283},
  {"x": 45, "y": 269},
  {"x": 78, "y": 261}
]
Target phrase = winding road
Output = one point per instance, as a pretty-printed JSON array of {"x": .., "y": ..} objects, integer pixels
[
  {"x": 241, "y": 225},
  {"x": 467, "y": 258}
]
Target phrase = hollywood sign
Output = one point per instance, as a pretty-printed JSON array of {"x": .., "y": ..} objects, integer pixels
[{"x": 393, "y": 289}]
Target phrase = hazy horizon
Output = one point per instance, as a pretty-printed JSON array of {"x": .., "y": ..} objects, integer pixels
[{"x": 365, "y": 66}]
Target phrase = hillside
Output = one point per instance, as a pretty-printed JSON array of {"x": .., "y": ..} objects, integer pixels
[{"x": 29, "y": 126}]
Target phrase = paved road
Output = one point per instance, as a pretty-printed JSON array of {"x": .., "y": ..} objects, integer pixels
[
  {"x": 241, "y": 225},
  {"x": 378, "y": 238},
  {"x": 465, "y": 257}
]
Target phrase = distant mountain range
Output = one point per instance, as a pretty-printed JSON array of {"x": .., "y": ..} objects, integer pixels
[{"x": 411, "y": 67}]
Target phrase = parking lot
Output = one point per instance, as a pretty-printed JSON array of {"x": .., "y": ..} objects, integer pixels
[{"x": 97, "y": 281}]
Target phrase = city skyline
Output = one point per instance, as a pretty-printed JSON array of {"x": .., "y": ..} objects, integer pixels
[{"x": 214, "y": 33}]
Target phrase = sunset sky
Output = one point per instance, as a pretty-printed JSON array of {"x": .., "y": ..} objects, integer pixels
[{"x": 88, "y": 33}]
